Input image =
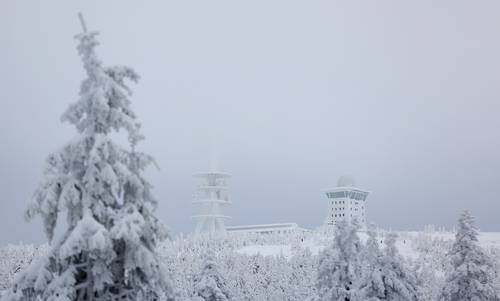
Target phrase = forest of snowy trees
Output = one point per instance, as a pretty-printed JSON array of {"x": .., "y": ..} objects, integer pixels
[
  {"x": 351, "y": 264},
  {"x": 114, "y": 248}
]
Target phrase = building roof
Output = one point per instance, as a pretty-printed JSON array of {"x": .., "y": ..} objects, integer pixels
[
  {"x": 345, "y": 189},
  {"x": 346, "y": 181},
  {"x": 264, "y": 227}
]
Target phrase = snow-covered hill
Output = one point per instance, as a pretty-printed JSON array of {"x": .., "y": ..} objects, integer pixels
[
  {"x": 408, "y": 244},
  {"x": 274, "y": 267}
]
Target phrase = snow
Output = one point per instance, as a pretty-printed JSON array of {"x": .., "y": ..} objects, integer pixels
[
  {"x": 255, "y": 267},
  {"x": 403, "y": 243},
  {"x": 277, "y": 250},
  {"x": 267, "y": 250}
]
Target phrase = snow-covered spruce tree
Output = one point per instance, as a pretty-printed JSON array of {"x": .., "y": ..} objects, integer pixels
[
  {"x": 210, "y": 285},
  {"x": 107, "y": 251},
  {"x": 371, "y": 286},
  {"x": 302, "y": 275},
  {"x": 428, "y": 283},
  {"x": 339, "y": 266},
  {"x": 470, "y": 277},
  {"x": 398, "y": 282}
]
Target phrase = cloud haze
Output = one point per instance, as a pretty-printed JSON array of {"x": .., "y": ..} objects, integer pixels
[{"x": 402, "y": 95}]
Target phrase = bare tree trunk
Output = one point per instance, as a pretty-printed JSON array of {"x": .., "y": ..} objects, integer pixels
[{"x": 90, "y": 281}]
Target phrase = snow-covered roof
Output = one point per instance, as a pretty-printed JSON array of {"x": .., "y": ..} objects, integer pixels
[
  {"x": 345, "y": 189},
  {"x": 346, "y": 181},
  {"x": 264, "y": 227}
]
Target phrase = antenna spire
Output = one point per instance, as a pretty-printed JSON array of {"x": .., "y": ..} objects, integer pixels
[
  {"x": 213, "y": 155},
  {"x": 82, "y": 22}
]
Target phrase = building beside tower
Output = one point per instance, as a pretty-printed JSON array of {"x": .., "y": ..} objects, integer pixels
[
  {"x": 346, "y": 202},
  {"x": 281, "y": 228}
]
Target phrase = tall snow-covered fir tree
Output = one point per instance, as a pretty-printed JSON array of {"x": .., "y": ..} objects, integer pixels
[
  {"x": 210, "y": 284},
  {"x": 470, "y": 277},
  {"x": 339, "y": 266},
  {"x": 399, "y": 282},
  {"x": 302, "y": 275},
  {"x": 371, "y": 286},
  {"x": 428, "y": 283},
  {"x": 107, "y": 251}
]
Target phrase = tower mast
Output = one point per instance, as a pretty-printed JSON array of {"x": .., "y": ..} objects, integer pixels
[{"x": 210, "y": 199}]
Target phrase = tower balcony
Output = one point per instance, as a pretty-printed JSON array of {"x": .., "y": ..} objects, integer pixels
[
  {"x": 208, "y": 201},
  {"x": 211, "y": 216},
  {"x": 212, "y": 187}
]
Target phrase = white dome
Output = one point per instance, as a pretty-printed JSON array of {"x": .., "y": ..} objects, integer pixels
[{"x": 346, "y": 181}]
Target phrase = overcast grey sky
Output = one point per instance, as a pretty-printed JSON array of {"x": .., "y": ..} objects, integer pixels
[{"x": 402, "y": 95}]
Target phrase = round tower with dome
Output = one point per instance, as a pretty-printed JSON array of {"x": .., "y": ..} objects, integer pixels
[{"x": 346, "y": 202}]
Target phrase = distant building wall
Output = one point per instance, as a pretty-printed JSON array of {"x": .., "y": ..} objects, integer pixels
[
  {"x": 346, "y": 203},
  {"x": 266, "y": 228}
]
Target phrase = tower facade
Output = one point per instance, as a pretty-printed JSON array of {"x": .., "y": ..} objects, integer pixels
[
  {"x": 210, "y": 198},
  {"x": 346, "y": 202}
]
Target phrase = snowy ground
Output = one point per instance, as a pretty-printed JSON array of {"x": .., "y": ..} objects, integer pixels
[
  {"x": 405, "y": 243},
  {"x": 277, "y": 266}
]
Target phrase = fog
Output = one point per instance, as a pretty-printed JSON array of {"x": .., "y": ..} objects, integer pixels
[{"x": 404, "y": 96}]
